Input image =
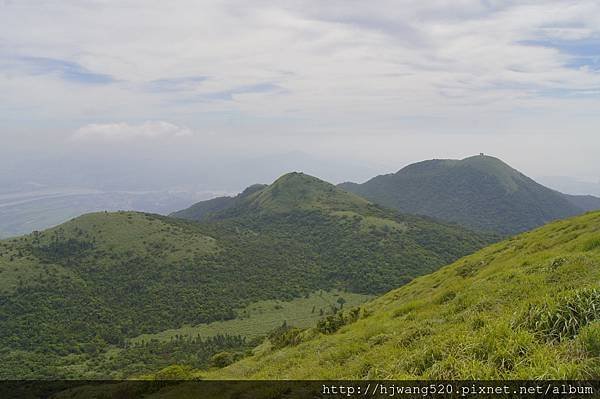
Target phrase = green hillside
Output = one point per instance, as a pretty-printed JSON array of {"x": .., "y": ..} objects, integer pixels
[
  {"x": 298, "y": 191},
  {"x": 203, "y": 209},
  {"x": 75, "y": 299},
  {"x": 360, "y": 246},
  {"x": 525, "y": 308},
  {"x": 479, "y": 192},
  {"x": 291, "y": 192}
]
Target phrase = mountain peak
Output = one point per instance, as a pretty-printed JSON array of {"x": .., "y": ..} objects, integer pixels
[
  {"x": 486, "y": 161},
  {"x": 291, "y": 191},
  {"x": 481, "y": 161},
  {"x": 298, "y": 190},
  {"x": 487, "y": 165},
  {"x": 507, "y": 176},
  {"x": 296, "y": 178},
  {"x": 481, "y": 192}
]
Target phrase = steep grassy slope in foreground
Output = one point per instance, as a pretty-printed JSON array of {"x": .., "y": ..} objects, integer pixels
[
  {"x": 479, "y": 192},
  {"x": 72, "y": 297},
  {"x": 528, "y": 307}
]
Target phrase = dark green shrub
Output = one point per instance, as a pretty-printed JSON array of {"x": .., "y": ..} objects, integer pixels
[
  {"x": 332, "y": 323},
  {"x": 284, "y": 336},
  {"x": 224, "y": 359}
]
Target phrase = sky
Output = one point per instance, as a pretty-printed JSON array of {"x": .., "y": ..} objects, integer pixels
[{"x": 190, "y": 86}]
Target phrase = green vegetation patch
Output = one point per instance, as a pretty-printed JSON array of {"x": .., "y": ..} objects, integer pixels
[
  {"x": 369, "y": 224},
  {"x": 259, "y": 318}
]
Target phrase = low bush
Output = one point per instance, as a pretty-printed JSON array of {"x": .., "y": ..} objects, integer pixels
[
  {"x": 563, "y": 319},
  {"x": 332, "y": 323},
  {"x": 285, "y": 336}
]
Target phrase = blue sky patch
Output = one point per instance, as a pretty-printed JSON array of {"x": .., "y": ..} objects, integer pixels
[
  {"x": 66, "y": 70},
  {"x": 228, "y": 95},
  {"x": 582, "y": 53},
  {"x": 176, "y": 84}
]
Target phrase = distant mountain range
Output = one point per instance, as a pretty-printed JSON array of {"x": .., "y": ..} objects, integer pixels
[
  {"x": 585, "y": 203},
  {"x": 479, "y": 192},
  {"x": 570, "y": 185},
  {"x": 72, "y": 297},
  {"x": 26, "y": 205}
]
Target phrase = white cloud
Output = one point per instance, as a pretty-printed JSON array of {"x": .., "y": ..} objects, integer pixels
[
  {"x": 124, "y": 131},
  {"x": 334, "y": 58},
  {"x": 343, "y": 69}
]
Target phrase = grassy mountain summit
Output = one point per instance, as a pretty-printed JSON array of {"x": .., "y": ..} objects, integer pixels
[
  {"x": 296, "y": 190},
  {"x": 363, "y": 246},
  {"x": 72, "y": 298},
  {"x": 290, "y": 192},
  {"x": 480, "y": 192},
  {"x": 525, "y": 308}
]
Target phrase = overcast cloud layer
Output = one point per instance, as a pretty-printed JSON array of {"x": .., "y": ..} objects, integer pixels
[{"x": 380, "y": 82}]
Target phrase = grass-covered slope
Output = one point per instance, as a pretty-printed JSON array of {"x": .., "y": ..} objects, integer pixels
[
  {"x": 72, "y": 297},
  {"x": 479, "y": 192},
  {"x": 528, "y": 307},
  {"x": 291, "y": 192},
  {"x": 203, "y": 209}
]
